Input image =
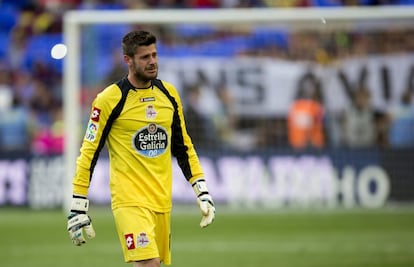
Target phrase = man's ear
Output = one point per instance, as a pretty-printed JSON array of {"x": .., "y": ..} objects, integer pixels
[{"x": 128, "y": 60}]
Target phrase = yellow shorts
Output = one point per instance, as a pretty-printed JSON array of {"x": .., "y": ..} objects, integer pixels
[{"x": 143, "y": 233}]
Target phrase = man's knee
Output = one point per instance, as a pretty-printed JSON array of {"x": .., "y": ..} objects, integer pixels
[{"x": 148, "y": 263}]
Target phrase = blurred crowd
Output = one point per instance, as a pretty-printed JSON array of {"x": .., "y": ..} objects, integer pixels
[
  {"x": 31, "y": 88},
  {"x": 308, "y": 125}
]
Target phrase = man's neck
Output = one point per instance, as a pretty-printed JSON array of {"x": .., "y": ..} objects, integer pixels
[{"x": 139, "y": 84}]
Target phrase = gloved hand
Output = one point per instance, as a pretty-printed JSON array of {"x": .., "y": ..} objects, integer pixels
[
  {"x": 205, "y": 202},
  {"x": 78, "y": 220}
]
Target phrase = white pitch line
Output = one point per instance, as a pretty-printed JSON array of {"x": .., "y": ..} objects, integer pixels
[{"x": 287, "y": 247}]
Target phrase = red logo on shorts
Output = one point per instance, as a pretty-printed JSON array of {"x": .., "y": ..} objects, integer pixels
[
  {"x": 129, "y": 239},
  {"x": 96, "y": 112}
]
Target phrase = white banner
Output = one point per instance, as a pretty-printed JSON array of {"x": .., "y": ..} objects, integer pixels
[
  {"x": 265, "y": 87},
  {"x": 250, "y": 181}
]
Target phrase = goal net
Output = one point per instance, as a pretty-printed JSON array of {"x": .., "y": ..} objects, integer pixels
[{"x": 239, "y": 71}]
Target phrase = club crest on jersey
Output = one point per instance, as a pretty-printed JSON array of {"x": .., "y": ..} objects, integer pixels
[
  {"x": 151, "y": 140},
  {"x": 129, "y": 241},
  {"x": 96, "y": 112},
  {"x": 150, "y": 112},
  {"x": 91, "y": 131},
  {"x": 142, "y": 240}
]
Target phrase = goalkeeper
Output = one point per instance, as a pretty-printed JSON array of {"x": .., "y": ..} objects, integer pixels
[{"x": 140, "y": 118}]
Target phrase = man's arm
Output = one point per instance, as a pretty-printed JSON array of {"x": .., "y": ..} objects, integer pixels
[{"x": 93, "y": 142}]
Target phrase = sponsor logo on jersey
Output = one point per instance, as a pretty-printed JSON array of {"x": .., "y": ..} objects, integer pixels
[
  {"x": 96, "y": 112},
  {"x": 142, "y": 240},
  {"x": 91, "y": 131},
  {"x": 129, "y": 241},
  {"x": 151, "y": 140},
  {"x": 150, "y": 112},
  {"x": 147, "y": 99}
]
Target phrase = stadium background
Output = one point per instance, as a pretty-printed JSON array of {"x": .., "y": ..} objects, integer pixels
[{"x": 300, "y": 205}]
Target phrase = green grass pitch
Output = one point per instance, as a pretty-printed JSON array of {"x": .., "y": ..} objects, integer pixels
[{"x": 290, "y": 238}]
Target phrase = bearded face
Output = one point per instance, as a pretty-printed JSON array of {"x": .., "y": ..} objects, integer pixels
[
  {"x": 145, "y": 72},
  {"x": 143, "y": 66}
]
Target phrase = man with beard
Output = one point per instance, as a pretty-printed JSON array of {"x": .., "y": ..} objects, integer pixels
[{"x": 141, "y": 120}]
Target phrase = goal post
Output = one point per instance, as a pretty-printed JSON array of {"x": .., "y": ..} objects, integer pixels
[{"x": 290, "y": 18}]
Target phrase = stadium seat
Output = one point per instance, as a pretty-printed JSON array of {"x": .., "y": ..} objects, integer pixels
[
  {"x": 4, "y": 44},
  {"x": 265, "y": 36},
  {"x": 191, "y": 31},
  {"x": 326, "y": 3},
  {"x": 38, "y": 50},
  {"x": 8, "y": 17},
  {"x": 405, "y": 2}
]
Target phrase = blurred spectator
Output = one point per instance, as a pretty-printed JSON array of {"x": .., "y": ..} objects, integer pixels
[
  {"x": 134, "y": 4},
  {"x": 6, "y": 89},
  {"x": 45, "y": 113},
  {"x": 41, "y": 104},
  {"x": 49, "y": 140},
  {"x": 272, "y": 133},
  {"x": 382, "y": 123},
  {"x": 14, "y": 130},
  {"x": 203, "y": 3},
  {"x": 210, "y": 114},
  {"x": 23, "y": 86},
  {"x": 359, "y": 125},
  {"x": 401, "y": 131},
  {"x": 167, "y": 3},
  {"x": 59, "y": 5},
  {"x": 287, "y": 3},
  {"x": 198, "y": 125},
  {"x": 117, "y": 71},
  {"x": 16, "y": 49},
  {"x": 110, "y": 4},
  {"x": 306, "y": 119},
  {"x": 243, "y": 3}
]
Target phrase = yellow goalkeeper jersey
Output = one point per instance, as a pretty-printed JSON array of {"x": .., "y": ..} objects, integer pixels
[{"x": 143, "y": 129}]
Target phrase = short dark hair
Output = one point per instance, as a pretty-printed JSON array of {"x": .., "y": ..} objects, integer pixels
[{"x": 133, "y": 39}]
